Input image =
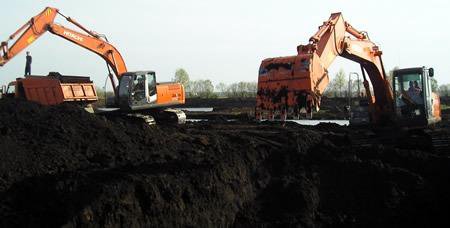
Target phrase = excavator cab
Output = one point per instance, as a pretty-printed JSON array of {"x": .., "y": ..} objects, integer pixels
[
  {"x": 137, "y": 90},
  {"x": 9, "y": 90},
  {"x": 414, "y": 102}
]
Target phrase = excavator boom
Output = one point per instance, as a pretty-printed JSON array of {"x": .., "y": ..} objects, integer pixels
[
  {"x": 29, "y": 32},
  {"x": 44, "y": 22}
]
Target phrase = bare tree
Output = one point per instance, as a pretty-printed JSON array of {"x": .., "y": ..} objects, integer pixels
[
  {"x": 181, "y": 76},
  {"x": 205, "y": 89},
  {"x": 221, "y": 88},
  {"x": 252, "y": 88},
  {"x": 444, "y": 90},
  {"x": 434, "y": 85},
  {"x": 232, "y": 90},
  {"x": 390, "y": 75},
  {"x": 242, "y": 89},
  {"x": 201, "y": 88},
  {"x": 339, "y": 82}
]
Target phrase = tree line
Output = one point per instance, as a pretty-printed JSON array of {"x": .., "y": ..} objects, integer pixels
[
  {"x": 204, "y": 88},
  {"x": 338, "y": 87}
]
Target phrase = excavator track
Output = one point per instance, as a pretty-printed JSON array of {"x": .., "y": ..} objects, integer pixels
[
  {"x": 163, "y": 116},
  {"x": 169, "y": 116},
  {"x": 441, "y": 142},
  {"x": 436, "y": 141},
  {"x": 148, "y": 119},
  {"x": 369, "y": 140}
]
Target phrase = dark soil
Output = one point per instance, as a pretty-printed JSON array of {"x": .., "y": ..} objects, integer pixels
[
  {"x": 244, "y": 108},
  {"x": 61, "y": 166}
]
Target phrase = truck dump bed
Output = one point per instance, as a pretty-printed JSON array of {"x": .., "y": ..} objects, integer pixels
[{"x": 56, "y": 89}]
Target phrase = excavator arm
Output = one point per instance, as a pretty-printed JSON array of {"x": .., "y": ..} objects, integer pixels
[
  {"x": 44, "y": 22},
  {"x": 298, "y": 82},
  {"x": 29, "y": 32},
  {"x": 331, "y": 41}
]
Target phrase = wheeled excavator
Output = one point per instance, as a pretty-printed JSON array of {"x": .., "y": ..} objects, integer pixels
[
  {"x": 293, "y": 85},
  {"x": 137, "y": 93}
]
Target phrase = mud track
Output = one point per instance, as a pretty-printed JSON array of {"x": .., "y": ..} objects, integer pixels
[{"x": 61, "y": 166}]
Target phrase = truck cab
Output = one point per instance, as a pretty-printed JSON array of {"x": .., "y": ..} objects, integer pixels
[
  {"x": 2, "y": 90},
  {"x": 8, "y": 90},
  {"x": 415, "y": 104}
]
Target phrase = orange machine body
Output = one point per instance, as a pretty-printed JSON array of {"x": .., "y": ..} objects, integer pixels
[
  {"x": 436, "y": 106},
  {"x": 170, "y": 93}
]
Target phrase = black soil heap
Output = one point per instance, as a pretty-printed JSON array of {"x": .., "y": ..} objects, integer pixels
[{"x": 61, "y": 166}]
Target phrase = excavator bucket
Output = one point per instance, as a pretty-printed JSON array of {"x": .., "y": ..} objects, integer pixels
[{"x": 287, "y": 87}]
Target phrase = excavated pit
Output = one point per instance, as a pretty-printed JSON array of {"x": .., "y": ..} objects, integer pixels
[{"x": 61, "y": 166}]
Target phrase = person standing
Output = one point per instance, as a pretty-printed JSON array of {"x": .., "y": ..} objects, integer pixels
[{"x": 28, "y": 64}]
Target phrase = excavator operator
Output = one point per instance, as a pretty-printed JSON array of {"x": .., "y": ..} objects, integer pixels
[
  {"x": 411, "y": 100},
  {"x": 415, "y": 92},
  {"x": 139, "y": 83}
]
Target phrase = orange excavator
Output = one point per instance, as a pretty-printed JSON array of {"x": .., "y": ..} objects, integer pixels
[
  {"x": 136, "y": 92},
  {"x": 289, "y": 86}
]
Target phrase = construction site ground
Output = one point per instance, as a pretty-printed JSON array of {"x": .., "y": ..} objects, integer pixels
[
  {"x": 244, "y": 108},
  {"x": 63, "y": 167}
]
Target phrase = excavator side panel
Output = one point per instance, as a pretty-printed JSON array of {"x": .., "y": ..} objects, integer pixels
[
  {"x": 436, "y": 107},
  {"x": 170, "y": 94}
]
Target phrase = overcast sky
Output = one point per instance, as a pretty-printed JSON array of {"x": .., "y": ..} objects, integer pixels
[{"x": 225, "y": 41}]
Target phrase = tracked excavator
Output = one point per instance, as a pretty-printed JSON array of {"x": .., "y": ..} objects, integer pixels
[
  {"x": 289, "y": 87},
  {"x": 136, "y": 94}
]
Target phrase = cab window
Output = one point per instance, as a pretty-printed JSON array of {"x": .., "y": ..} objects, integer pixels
[
  {"x": 409, "y": 94},
  {"x": 151, "y": 84},
  {"x": 410, "y": 85},
  {"x": 11, "y": 89}
]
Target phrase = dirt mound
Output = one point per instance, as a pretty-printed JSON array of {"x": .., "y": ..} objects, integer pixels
[{"x": 61, "y": 166}]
